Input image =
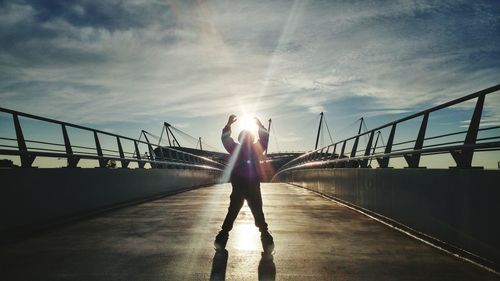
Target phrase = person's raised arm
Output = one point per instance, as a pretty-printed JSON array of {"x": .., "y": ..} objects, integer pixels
[
  {"x": 227, "y": 140},
  {"x": 263, "y": 135}
]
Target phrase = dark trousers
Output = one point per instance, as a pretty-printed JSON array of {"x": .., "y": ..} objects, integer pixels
[{"x": 245, "y": 190}]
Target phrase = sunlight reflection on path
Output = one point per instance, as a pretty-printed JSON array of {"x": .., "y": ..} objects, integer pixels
[
  {"x": 245, "y": 236},
  {"x": 244, "y": 248}
]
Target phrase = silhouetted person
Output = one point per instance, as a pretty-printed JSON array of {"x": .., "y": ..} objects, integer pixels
[{"x": 245, "y": 179}]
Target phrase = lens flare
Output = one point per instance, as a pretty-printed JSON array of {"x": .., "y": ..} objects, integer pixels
[{"x": 246, "y": 122}]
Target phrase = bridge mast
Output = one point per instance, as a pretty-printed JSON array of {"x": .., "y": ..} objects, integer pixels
[
  {"x": 269, "y": 132},
  {"x": 199, "y": 139},
  {"x": 319, "y": 130},
  {"x": 362, "y": 119},
  {"x": 169, "y": 131}
]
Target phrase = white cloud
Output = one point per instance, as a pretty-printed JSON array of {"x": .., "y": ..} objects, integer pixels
[
  {"x": 207, "y": 59},
  {"x": 13, "y": 13}
]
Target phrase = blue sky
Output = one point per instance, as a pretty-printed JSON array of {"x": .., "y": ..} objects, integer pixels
[{"x": 124, "y": 66}]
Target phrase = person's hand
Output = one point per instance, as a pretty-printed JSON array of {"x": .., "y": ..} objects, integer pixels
[
  {"x": 257, "y": 121},
  {"x": 231, "y": 120}
]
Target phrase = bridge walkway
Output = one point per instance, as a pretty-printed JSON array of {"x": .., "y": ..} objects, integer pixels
[{"x": 171, "y": 239}]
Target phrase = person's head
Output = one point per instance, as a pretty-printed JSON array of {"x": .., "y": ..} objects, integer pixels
[{"x": 245, "y": 137}]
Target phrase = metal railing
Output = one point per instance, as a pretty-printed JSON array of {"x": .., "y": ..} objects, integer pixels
[
  {"x": 335, "y": 156},
  {"x": 159, "y": 157}
]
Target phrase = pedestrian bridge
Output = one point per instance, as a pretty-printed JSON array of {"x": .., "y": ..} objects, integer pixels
[
  {"x": 171, "y": 238},
  {"x": 339, "y": 212}
]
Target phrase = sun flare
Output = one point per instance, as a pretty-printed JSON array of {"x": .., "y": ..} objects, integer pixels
[{"x": 247, "y": 122}]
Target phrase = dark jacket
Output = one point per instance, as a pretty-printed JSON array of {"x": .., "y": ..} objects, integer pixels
[{"x": 246, "y": 158}]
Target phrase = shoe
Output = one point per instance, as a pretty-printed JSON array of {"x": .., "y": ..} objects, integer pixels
[
  {"x": 221, "y": 240},
  {"x": 267, "y": 241}
]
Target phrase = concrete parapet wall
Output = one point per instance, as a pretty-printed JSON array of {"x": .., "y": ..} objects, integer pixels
[
  {"x": 32, "y": 198},
  {"x": 456, "y": 206}
]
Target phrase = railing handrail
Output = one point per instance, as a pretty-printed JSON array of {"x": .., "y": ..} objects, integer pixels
[
  {"x": 96, "y": 157},
  {"x": 426, "y": 112},
  {"x": 425, "y": 151},
  {"x": 16, "y": 113}
]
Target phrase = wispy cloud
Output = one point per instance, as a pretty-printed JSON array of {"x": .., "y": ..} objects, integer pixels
[{"x": 145, "y": 61}]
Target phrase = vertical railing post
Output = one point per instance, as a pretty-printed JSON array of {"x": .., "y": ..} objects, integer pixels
[
  {"x": 325, "y": 155},
  {"x": 123, "y": 161},
  {"x": 26, "y": 158},
  {"x": 102, "y": 161},
  {"x": 140, "y": 163},
  {"x": 152, "y": 156},
  {"x": 364, "y": 162},
  {"x": 341, "y": 155},
  {"x": 342, "y": 150},
  {"x": 72, "y": 160},
  {"x": 151, "y": 152},
  {"x": 374, "y": 148},
  {"x": 320, "y": 154},
  {"x": 354, "y": 147},
  {"x": 333, "y": 152},
  {"x": 413, "y": 159},
  {"x": 383, "y": 162},
  {"x": 463, "y": 157},
  {"x": 353, "y": 164}
]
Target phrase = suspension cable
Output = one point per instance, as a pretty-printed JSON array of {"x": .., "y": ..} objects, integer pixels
[
  {"x": 348, "y": 126},
  {"x": 194, "y": 139},
  {"x": 328, "y": 130}
]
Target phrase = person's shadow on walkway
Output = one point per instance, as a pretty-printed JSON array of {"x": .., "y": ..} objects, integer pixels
[
  {"x": 219, "y": 264},
  {"x": 267, "y": 269}
]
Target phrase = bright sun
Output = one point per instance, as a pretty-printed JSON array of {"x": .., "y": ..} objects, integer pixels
[{"x": 247, "y": 122}]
